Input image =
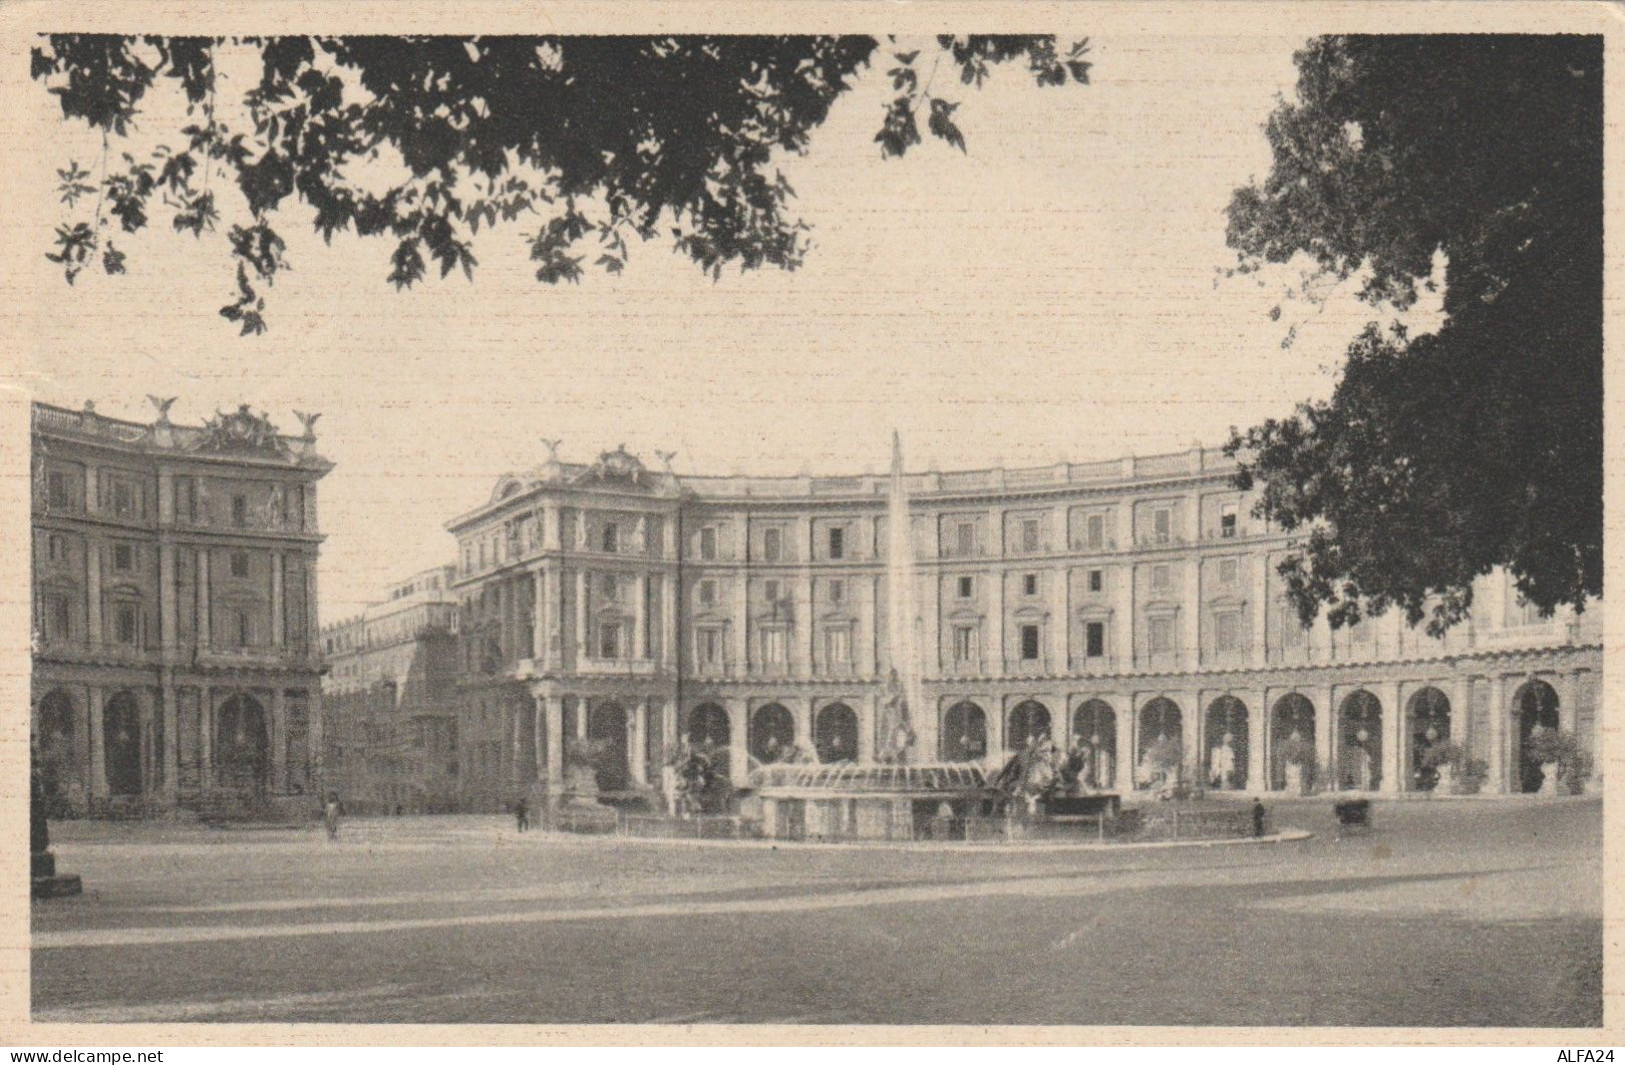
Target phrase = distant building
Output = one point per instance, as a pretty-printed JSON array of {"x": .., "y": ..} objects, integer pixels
[
  {"x": 1128, "y": 606},
  {"x": 391, "y": 736},
  {"x": 174, "y": 605}
]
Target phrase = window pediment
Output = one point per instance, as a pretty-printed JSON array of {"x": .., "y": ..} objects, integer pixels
[
  {"x": 965, "y": 614},
  {"x": 1226, "y": 604}
]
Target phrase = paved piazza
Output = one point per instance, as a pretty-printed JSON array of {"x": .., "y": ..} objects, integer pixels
[{"x": 1450, "y": 913}]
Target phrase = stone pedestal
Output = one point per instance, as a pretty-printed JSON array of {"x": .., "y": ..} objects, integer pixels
[{"x": 44, "y": 881}]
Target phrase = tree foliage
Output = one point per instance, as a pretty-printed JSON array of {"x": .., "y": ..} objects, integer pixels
[
  {"x": 594, "y": 138},
  {"x": 1441, "y": 456}
]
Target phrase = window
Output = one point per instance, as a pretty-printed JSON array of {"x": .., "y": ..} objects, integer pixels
[
  {"x": 1094, "y": 639},
  {"x": 55, "y": 549},
  {"x": 1161, "y": 580},
  {"x": 57, "y": 625},
  {"x": 708, "y": 543},
  {"x": 966, "y": 538},
  {"x": 611, "y": 587},
  {"x": 125, "y": 624},
  {"x": 710, "y": 647},
  {"x": 612, "y": 537},
  {"x": 837, "y": 542},
  {"x": 1291, "y": 628},
  {"x": 1226, "y": 633},
  {"x": 837, "y": 591},
  {"x": 1227, "y": 521},
  {"x": 609, "y": 640},
  {"x": 964, "y": 643},
  {"x": 1161, "y": 632},
  {"x": 837, "y": 646},
  {"x": 244, "y": 630},
  {"x": 1227, "y": 571},
  {"x": 967, "y": 585},
  {"x": 708, "y": 592},
  {"x": 239, "y": 563},
  {"x": 239, "y": 517},
  {"x": 123, "y": 499},
  {"x": 58, "y": 490},
  {"x": 123, "y": 557},
  {"x": 1029, "y": 535},
  {"x": 1029, "y": 584},
  {"x": 1097, "y": 530},
  {"x": 185, "y": 499},
  {"x": 773, "y": 646},
  {"x": 1029, "y": 643},
  {"x": 770, "y": 591},
  {"x": 1162, "y": 525},
  {"x": 1097, "y": 580},
  {"x": 772, "y": 544}
]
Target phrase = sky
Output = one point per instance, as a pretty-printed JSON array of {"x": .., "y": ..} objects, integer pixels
[{"x": 1051, "y": 294}]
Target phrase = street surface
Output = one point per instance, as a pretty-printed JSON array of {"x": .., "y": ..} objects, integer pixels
[{"x": 1449, "y": 913}]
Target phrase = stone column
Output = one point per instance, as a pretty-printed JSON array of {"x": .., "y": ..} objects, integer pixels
[
  {"x": 1258, "y": 607},
  {"x": 668, "y": 724},
  {"x": 1393, "y": 736},
  {"x": 804, "y": 718},
  {"x": 995, "y": 624},
  {"x": 867, "y": 709},
  {"x": 582, "y": 651},
  {"x": 640, "y": 617},
  {"x": 553, "y": 712},
  {"x": 1061, "y": 614},
  {"x": 1500, "y": 775},
  {"x": 1191, "y": 712},
  {"x": 279, "y": 740},
  {"x": 277, "y": 609},
  {"x": 98, "y": 749},
  {"x": 638, "y": 741},
  {"x": 1461, "y": 713},
  {"x": 312, "y": 634},
  {"x": 741, "y": 622},
  {"x": 1257, "y": 739},
  {"x": 581, "y": 717},
  {"x": 205, "y": 630},
  {"x": 738, "y": 742},
  {"x": 666, "y": 647},
  {"x": 172, "y": 743},
  {"x": 542, "y": 621},
  {"x": 539, "y": 735},
  {"x": 517, "y": 728},
  {"x": 167, "y": 627},
  {"x": 205, "y": 716},
  {"x": 1325, "y": 736},
  {"x": 93, "y": 590}
]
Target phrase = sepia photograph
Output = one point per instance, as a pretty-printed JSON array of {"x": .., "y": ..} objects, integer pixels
[{"x": 691, "y": 519}]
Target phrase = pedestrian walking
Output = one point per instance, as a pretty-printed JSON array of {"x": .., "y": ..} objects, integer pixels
[
  {"x": 1258, "y": 818},
  {"x": 521, "y": 813},
  {"x": 331, "y": 813}
]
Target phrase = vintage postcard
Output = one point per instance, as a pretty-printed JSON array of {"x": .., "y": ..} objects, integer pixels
[{"x": 987, "y": 523}]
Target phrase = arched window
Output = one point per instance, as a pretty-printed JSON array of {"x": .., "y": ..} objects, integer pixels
[
  {"x": 964, "y": 733},
  {"x": 1292, "y": 738},
  {"x": 1094, "y": 735},
  {"x": 772, "y": 733},
  {"x": 1227, "y": 743},
  {"x": 242, "y": 743},
  {"x": 1029, "y": 722},
  {"x": 708, "y": 726},
  {"x": 1359, "y": 738},
  {"x": 836, "y": 733}
]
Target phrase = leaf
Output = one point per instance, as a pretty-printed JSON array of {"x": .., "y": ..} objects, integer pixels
[{"x": 941, "y": 123}]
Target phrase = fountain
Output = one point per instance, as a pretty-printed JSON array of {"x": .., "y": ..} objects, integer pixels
[{"x": 902, "y": 797}]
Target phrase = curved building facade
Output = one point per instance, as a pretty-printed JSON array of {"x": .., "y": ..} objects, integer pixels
[{"x": 1108, "y": 604}]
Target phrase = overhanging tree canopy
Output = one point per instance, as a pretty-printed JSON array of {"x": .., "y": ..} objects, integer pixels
[
  {"x": 1441, "y": 456},
  {"x": 599, "y": 137}
]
